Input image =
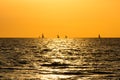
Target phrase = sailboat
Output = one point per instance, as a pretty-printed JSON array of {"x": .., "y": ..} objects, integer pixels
[
  {"x": 66, "y": 37},
  {"x": 43, "y": 36},
  {"x": 99, "y": 36},
  {"x": 58, "y": 36}
]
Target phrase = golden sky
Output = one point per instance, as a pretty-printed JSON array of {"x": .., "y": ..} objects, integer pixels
[{"x": 75, "y": 18}]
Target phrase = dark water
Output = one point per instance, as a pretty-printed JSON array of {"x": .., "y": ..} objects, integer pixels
[{"x": 60, "y": 59}]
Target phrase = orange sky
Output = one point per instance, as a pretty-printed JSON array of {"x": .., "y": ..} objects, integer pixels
[{"x": 75, "y": 18}]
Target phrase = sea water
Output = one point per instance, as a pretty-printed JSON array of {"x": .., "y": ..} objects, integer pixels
[{"x": 59, "y": 59}]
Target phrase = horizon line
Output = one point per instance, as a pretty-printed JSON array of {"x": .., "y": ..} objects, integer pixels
[{"x": 60, "y": 37}]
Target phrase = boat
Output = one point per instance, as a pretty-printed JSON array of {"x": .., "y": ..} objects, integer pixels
[
  {"x": 43, "y": 36},
  {"x": 66, "y": 36},
  {"x": 99, "y": 36},
  {"x": 58, "y": 36}
]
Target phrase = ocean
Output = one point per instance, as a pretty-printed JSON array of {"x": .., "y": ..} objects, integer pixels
[{"x": 60, "y": 59}]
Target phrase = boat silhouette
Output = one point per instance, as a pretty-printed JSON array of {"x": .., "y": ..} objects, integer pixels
[
  {"x": 42, "y": 36},
  {"x": 99, "y": 36},
  {"x": 66, "y": 36},
  {"x": 58, "y": 36}
]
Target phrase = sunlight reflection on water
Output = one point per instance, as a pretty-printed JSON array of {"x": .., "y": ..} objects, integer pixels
[{"x": 59, "y": 59}]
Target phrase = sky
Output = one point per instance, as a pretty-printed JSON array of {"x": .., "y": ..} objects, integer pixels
[{"x": 75, "y": 18}]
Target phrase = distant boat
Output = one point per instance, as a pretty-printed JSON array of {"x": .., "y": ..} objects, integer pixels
[
  {"x": 58, "y": 36},
  {"x": 66, "y": 36},
  {"x": 99, "y": 36},
  {"x": 43, "y": 36}
]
